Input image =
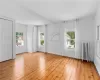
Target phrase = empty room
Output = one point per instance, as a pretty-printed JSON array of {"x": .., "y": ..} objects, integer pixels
[{"x": 49, "y": 40}]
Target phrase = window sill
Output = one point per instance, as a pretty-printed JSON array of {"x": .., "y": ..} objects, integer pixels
[
  {"x": 70, "y": 49},
  {"x": 41, "y": 45}
]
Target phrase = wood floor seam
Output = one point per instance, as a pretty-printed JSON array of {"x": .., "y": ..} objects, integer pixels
[{"x": 40, "y": 66}]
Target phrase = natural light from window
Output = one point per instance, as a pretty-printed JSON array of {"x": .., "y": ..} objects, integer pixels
[
  {"x": 41, "y": 39},
  {"x": 19, "y": 39},
  {"x": 70, "y": 39}
]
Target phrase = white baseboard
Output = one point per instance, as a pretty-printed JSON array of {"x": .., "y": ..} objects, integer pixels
[{"x": 97, "y": 65}]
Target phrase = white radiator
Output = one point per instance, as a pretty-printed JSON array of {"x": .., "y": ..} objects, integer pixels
[{"x": 85, "y": 51}]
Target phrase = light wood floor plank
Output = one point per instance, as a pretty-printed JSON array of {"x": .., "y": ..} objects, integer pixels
[{"x": 42, "y": 66}]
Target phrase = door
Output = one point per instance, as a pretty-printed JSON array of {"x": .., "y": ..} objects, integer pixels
[{"x": 6, "y": 36}]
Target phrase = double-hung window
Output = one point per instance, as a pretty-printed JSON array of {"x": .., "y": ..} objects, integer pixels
[
  {"x": 70, "y": 39},
  {"x": 19, "y": 39}
]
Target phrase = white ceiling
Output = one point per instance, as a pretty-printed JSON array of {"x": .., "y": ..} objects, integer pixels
[
  {"x": 11, "y": 9},
  {"x": 40, "y": 12}
]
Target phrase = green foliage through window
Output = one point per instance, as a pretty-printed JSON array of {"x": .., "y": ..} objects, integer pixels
[
  {"x": 70, "y": 39},
  {"x": 42, "y": 42},
  {"x": 19, "y": 39},
  {"x": 71, "y": 34},
  {"x": 42, "y": 39}
]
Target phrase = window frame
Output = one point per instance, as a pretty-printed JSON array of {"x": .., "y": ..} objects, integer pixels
[{"x": 66, "y": 39}]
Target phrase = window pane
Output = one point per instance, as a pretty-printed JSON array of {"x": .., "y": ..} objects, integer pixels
[
  {"x": 19, "y": 39},
  {"x": 41, "y": 38},
  {"x": 42, "y": 42},
  {"x": 70, "y": 39},
  {"x": 71, "y": 44},
  {"x": 70, "y": 34}
]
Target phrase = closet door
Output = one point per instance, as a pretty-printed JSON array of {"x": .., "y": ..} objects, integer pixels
[{"x": 6, "y": 39}]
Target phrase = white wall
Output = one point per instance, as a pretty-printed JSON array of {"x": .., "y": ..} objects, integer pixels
[
  {"x": 53, "y": 42},
  {"x": 35, "y": 39},
  {"x": 84, "y": 31},
  {"x": 97, "y": 58},
  {"x": 55, "y": 39},
  {"x": 30, "y": 38},
  {"x": 22, "y": 28}
]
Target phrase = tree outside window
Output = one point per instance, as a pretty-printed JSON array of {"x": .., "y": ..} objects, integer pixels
[
  {"x": 19, "y": 39},
  {"x": 70, "y": 39},
  {"x": 42, "y": 39}
]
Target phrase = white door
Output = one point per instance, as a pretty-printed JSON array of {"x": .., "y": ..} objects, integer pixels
[{"x": 6, "y": 39}]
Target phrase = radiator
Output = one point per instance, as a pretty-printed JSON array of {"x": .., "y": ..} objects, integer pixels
[{"x": 85, "y": 51}]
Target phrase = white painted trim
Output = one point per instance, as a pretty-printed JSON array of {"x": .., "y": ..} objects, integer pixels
[
  {"x": 5, "y": 17},
  {"x": 97, "y": 67}
]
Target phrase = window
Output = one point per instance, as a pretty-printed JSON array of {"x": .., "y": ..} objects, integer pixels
[
  {"x": 70, "y": 39},
  {"x": 19, "y": 39},
  {"x": 41, "y": 39}
]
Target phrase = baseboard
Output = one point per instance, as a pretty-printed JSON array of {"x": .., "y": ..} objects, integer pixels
[
  {"x": 97, "y": 66},
  {"x": 97, "y": 69},
  {"x": 53, "y": 54},
  {"x": 41, "y": 51},
  {"x": 61, "y": 55},
  {"x": 21, "y": 53}
]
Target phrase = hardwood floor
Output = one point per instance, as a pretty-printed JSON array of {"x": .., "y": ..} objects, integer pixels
[{"x": 40, "y": 66}]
